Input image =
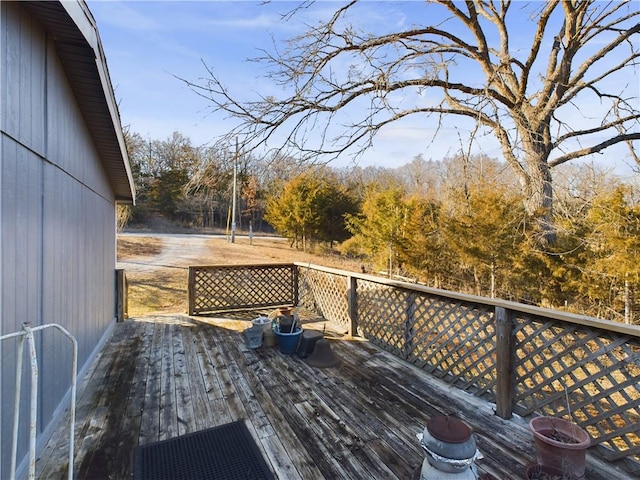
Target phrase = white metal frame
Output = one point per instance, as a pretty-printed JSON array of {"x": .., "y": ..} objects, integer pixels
[{"x": 27, "y": 333}]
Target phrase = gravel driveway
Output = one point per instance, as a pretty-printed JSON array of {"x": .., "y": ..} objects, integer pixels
[{"x": 178, "y": 251}]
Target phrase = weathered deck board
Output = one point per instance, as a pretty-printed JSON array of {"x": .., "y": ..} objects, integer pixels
[
  {"x": 160, "y": 377},
  {"x": 168, "y": 410},
  {"x": 150, "y": 422},
  {"x": 130, "y": 424},
  {"x": 201, "y": 408}
]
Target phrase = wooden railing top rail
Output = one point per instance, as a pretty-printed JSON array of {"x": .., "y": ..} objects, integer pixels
[
  {"x": 632, "y": 330},
  {"x": 242, "y": 266}
]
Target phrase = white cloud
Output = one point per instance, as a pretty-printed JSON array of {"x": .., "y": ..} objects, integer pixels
[{"x": 123, "y": 16}]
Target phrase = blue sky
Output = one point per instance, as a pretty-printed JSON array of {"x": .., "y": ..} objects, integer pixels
[{"x": 148, "y": 42}]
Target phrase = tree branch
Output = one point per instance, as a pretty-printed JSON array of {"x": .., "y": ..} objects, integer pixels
[
  {"x": 333, "y": 68},
  {"x": 594, "y": 149},
  {"x": 591, "y": 131}
]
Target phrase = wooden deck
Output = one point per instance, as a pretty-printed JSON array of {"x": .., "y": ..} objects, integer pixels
[{"x": 161, "y": 377}]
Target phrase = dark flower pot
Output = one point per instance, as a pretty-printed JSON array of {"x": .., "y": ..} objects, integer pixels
[{"x": 285, "y": 324}]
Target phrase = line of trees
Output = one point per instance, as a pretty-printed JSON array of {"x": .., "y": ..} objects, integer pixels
[
  {"x": 192, "y": 185},
  {"x": 476, "y": 236},
  {"x": 458, "y": 223}
]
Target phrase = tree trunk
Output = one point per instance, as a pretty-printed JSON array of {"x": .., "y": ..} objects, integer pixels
[
  {"x": 304, "y": 240},
  {"x": 493, "y": 280},
  {"x": 539, "y": 198},
  {"x": 627, "y": 300}
]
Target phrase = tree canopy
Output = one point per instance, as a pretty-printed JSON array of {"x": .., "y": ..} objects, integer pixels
[
  {"x": 311, "y": 207},
  {"x": 549, "y": 80}
]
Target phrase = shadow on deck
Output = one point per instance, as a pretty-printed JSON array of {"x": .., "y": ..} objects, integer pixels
[{"x": 164, "y": 376}]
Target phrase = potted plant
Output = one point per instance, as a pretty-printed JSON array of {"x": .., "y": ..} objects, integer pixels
[{"x": 561, "y": 445}]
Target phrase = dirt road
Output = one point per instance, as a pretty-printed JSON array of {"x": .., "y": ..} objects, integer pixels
[{"x": 176, "y": 251}]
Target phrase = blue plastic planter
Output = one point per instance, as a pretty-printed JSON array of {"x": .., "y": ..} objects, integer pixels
[{"x": 288, "y": 342}]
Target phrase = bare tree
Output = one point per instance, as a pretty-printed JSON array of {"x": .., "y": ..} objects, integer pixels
[{"x": 534, "y": 100}]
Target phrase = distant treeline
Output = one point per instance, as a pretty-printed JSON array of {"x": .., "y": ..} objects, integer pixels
[{"x": 457, "y": 223}]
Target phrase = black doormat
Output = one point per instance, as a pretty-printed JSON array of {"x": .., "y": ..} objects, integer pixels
[{"x": 227, "y": 452}]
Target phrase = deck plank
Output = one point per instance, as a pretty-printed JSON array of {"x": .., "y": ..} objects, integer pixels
[
  {"x": 150, "y": 422},
  {"x": 282, "y": 463},
  {"x": 220, "y": 413},
  {"x": 129, "y": 430},
  {"x": 185, "y": 416},
  {"x": 230, "y": 396},
  {"x": 168, "y": 410},
  {"x": 54, "y": 457},
  {"x": 207, "y": 367},
  {"x": 350, "y": 393},
  {"x": 246, "y": 394},
  {"x": 102, "y": 436},
  {"x": 163, "y": 376},
  {"x": 195, "y": 374},
  {"x": 289, "y": 458}
]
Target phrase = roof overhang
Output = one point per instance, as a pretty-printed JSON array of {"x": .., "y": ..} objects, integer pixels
[{"x": 75, "y": 34}]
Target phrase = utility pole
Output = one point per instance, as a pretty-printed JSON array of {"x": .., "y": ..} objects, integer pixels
[{"x": 233, "y": 202}]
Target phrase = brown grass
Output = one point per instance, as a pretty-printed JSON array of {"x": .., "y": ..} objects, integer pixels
[
  {"x": 130, "y": 247},
  {"x": 154, "y": 293}
]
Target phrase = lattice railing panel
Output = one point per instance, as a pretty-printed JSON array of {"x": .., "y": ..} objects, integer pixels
[
  {"x": 229, "y": 287},
  {"x": 591, "y": 375},
  {"x": 456, "y": 341},
  {"x": 325, "y": 293},
  {"x": 453, "y": 341},
  {"x": 382, "y": 316}
]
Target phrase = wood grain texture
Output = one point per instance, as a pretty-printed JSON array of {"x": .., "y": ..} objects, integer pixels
[{"x": 161, "y": 377}]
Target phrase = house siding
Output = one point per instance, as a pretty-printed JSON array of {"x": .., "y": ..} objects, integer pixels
[{"x": 57, "y": 230}]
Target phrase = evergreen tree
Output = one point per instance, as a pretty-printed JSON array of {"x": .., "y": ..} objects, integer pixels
[
  {"x": 310, "y": 208},
  {"x": 483, "y": 227},
  {"x": 613, "y": 270},
  {"x": 381, "y": 227},
  {"x": 424, "y": 252}
]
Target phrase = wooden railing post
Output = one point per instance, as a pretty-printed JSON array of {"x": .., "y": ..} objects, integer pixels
[
  {"x": 121, "y": 295},
  {"x": 352, "y": 299},
  {"x": 295, "y": 277},
  {"x": 191, "y": 291},
  {"x": 408, "y": 334},
  {"x": 504, "y": 362}
]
